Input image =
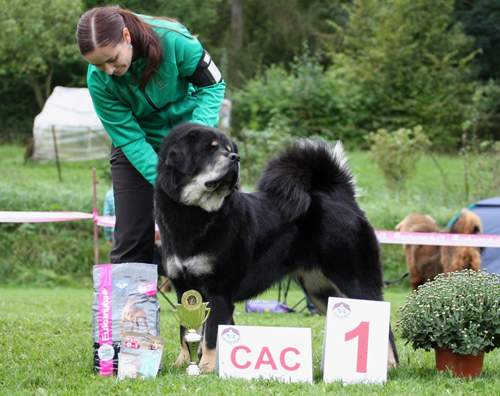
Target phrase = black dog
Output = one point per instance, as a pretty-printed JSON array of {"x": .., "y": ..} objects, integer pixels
[{"x": 231, "y": 246}]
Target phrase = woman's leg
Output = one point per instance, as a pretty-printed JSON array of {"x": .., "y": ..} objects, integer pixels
[{"x": 134, "y": 207}]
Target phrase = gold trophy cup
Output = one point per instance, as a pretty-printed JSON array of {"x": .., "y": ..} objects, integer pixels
[{"x": 191, "y": 313}]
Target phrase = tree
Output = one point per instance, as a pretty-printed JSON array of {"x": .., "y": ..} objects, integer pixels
[
  {"x": 242, "y": 36},
  {"x": 35, "y": 38},
  {"x": 274, "y": 32},
  {"x": 481, "y": 20},
  {"x": 405, "y": 63},
  {"x": 237, "y": 23}
]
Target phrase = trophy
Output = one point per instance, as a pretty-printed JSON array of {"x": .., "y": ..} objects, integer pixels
[{"x": 191, "y": 314}]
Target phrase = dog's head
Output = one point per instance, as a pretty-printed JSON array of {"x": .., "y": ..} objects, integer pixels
[
  {"x": 198, "y": 166},
  {"x": 467, "y": 223},
  {"x": 417, "y": 221}
]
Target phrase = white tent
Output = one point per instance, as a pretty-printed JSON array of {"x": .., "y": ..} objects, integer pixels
[{"x": 68, "y": 120}]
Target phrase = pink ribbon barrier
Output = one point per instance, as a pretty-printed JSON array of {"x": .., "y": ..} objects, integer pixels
[
  {"x": 48, "y": 217},
  {"x": 105, "y": 221},
  {"x": 41, "y": 217},
  {"x": 422, "y": 238},
  {"x": 394, "y": 237}
]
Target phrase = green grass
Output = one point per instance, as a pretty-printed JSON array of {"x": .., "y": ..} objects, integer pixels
[
  {"x": 46, "y": 292},
  {"x": 46, "y": 349}
]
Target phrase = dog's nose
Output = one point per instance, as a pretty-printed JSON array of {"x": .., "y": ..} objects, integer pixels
[{"x": 234, "y": 157}]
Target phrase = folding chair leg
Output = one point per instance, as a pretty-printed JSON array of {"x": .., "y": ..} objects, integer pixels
[{"x": 302, "y": 299}]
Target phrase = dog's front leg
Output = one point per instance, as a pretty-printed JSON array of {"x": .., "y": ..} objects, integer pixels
[
  {"x": 184, "y": 356},
  {"x": 221, "y": 313}
]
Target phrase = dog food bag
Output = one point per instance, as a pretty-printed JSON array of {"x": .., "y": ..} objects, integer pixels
[
  {"x": 140, "y": 355},
  {"x": 124, "y": 300}
]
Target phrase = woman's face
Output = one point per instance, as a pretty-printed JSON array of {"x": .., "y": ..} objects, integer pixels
[{"x": 112, "y": 59}]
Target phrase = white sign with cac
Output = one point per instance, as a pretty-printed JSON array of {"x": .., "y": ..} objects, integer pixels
[
  {"x": 282, "y": 353},
  {"x": 356, "y": 341}
]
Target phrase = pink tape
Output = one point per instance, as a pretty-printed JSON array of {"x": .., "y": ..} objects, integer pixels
[
  {"x": 41, "y": 217},
  {"x": 405, "y": 238},
  {"x": 422, "y": 238},
  {"x": 105, "y": 315},
  {"x": 106, "y": 221},
  {"x": 47, "y": 217}
]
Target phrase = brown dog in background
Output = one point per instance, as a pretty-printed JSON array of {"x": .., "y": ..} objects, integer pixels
[
  {"x": 424, "y": 262},
  {"x": 458, "y": 258}
]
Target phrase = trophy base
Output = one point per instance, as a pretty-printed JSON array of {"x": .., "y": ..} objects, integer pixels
[{"x": 193, "y": 369}]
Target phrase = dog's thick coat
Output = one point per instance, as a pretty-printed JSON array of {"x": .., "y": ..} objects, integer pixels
[
  {"x": 231, "y": 246},
  {"x": 458, "y": 258},
  {"x": 423, "y": 261}
]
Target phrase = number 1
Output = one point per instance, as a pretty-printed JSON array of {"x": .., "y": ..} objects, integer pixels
[{"x": 362, "y": 332}]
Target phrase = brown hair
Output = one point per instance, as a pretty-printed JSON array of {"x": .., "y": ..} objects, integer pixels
[{"x": 102, "y": 26}]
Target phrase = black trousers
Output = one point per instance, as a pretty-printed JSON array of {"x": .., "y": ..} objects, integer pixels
[{"x": 134, "y": 210}]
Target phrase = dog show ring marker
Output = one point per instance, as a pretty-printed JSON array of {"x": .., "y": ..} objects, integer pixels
[
  {"x": 356, "y": 341},
  {"x": 282, "y": 353}
]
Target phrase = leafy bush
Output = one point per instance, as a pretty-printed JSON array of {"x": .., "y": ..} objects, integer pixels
[
  {"x": 483, "y": 113},
  {"x": 396, "y": 153},
  {"x": 459, "y": 310},
  {"x": 278, "y": 106},
  {"x": 257, "y": 147},
  {"x": 303, "y": 96}
]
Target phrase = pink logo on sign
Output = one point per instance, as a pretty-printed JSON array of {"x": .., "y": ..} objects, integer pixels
[{"x": 149, "y": 289}]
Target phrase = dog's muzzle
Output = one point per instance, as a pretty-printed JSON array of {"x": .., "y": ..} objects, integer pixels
[
  {"x": 233, "y": 157},
  {"x": 233, "y": 162}
]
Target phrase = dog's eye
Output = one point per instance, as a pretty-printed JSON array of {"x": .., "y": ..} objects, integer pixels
[
  {"x": 214, "y": 143},
  {"x": 228, "y": 148}
]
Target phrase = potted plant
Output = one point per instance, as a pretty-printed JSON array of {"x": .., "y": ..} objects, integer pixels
[{"x": 457, "y": 314}]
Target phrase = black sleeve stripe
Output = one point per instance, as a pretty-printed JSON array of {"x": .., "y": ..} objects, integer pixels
[{"x": 206, "y": 73}]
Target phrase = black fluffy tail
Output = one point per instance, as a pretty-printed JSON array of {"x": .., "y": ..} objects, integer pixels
[{"x": 292, "y": 178}]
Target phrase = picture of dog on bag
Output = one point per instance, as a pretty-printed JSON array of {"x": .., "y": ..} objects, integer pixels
[{"x": 134, "y": 315}]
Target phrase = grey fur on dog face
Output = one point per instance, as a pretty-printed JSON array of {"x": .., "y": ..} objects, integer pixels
[{"x": 208, "y": 188}]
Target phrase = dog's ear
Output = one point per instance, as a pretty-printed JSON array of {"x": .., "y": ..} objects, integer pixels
[
  {"x": 467, "y": 223},
  {"x": 181, "y": 158},
  {"x": 182, "y": 155}
]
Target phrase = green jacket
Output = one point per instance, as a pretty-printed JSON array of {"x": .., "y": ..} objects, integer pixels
[{"x": 137, "y": 122}]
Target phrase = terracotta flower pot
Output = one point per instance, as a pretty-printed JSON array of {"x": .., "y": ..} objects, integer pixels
[{"x": 460, "y": 365}]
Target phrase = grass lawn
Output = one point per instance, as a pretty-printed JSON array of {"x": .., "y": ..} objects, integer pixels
[
  {"x": 46, "y": 331},
  {"x": 46, "y": 349}
]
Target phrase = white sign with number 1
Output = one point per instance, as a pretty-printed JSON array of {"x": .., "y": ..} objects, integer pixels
[{"x": 356, "y": 341}]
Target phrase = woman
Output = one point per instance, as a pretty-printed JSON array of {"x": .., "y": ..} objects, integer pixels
[{"x": 145, "y": 76}]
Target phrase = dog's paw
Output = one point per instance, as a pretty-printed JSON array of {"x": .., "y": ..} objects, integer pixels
[
  {"x": 207, "y": 362},
  {"x": 391, "y": 359},
  {"x": 183, "y": 357}
]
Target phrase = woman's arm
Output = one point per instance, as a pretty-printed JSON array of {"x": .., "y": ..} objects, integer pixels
[
  {"x": 200, "y": 70},
  {"x": 122, "y": 126}
]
